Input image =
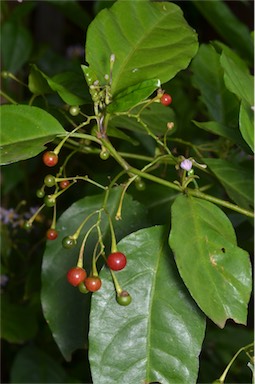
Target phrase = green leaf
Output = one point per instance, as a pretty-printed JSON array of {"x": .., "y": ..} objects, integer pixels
[
  {"x": 24, "y": 131},
  {"x": 156, "y": 117},
  {"x": 70, "y": 86},
  {"x": 150, "y": 40},
  {"x": 222, "y": 105},
  {"x": 215, "y": 270},
  {"x": 229, "y": 27},
  {"x": 222, "y": 130},
  {"x": 237, "y": 180},
  {"x": 246, "y": 123},
  {"x": 18, "y": 322},
  {"x": 32, "y": 365},
  {"x": 65, "y": 308},
  {"x": 16, "y": 46},
  {"x": 37, "y": 83},
  {"x": 133, "y": 95},
  {"x": 237, "y": 77},
  {"x": 158, "y": 337}
]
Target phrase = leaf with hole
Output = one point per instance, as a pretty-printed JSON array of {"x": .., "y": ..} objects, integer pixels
[{"x": 215, "y": 270}]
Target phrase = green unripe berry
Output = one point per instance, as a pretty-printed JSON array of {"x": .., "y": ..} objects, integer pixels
[
  {"x": 124, "y": 298},
  {"x": 74, "y": 110},
  {"x": 104, "y": 154},
  {"x": 27, "y": 225},
  {"x": 68, "y": 242},
  {"x": 49, "y": 200},
  {"x": 49, "y": 180},
  {"x": 140, "y": 184},
  {"x": 40, "y": 193},
  {"x": 82, "y": 288}
]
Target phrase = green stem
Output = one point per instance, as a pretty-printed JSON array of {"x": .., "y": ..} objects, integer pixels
[
  {"x": 223, "y": 203},
  {"x": 7, "y": 97},
  {"x": 223, "y": 376},
  {"x": 114, "y": 244},
  {"x": 80, "y": 259}
]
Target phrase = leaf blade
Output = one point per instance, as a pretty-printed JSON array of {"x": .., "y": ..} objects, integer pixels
[
  {"x": 24, "y": 132},
  {"x": 133, "y": 31},
  {"x": 160, "y": 302},
  {"x": 215, "y": 270}
]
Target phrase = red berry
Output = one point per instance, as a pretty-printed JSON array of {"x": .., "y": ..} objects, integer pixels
[
  {"x": 166, "y": 99},
  {"x": 51, "y": 234},
  {"x": 116, "y": 261},
  {"x": 50, "y": 158},
  {"x": 76, "y": 275},
  {"x": 93, "y": 283},
  {"x": 64, "y": 184}
]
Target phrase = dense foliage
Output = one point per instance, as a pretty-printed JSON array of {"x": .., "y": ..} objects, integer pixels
[{"x": 127, "y": 184}]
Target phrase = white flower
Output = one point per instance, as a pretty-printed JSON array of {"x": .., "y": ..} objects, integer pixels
[{"x": 186, "y": 164}]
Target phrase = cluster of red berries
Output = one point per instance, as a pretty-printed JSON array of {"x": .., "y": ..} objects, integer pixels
[{"x": 77, "y": 276}]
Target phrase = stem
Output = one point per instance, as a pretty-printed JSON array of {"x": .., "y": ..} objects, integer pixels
[
  {"x": 80, "y": 259},
  {"x": 35, "y": 214},
  {"x": 7, "y": 97},
  {"x": 78, "y": 231},
  {"x": 53, "y": 224},
  {"x": 223, "y": 203},
  {"x": 114, "y": 244},
  {"x": 223, "y": 376},
  {"x": 116, "y": 283},
  {"x": 86, "y": 178}
]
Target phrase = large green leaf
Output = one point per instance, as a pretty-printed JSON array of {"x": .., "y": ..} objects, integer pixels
[
  {"x": 246, "y": 123},
  {"x": 158, "y": 337},
  {"x": 150, "y": 41},
  {"x": 216, "y": 271},
  {"x": 222, "y": 105},
  {"x": 237, "y": 180},
  {"x": 24, "y": 131},
  {"x": 230, "y": 28},
  {"x": 65, "y": 308},
  {"x": 16, "y": 46}
]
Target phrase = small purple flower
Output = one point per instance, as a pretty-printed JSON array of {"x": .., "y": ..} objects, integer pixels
[{"x": 186, "y": 164}]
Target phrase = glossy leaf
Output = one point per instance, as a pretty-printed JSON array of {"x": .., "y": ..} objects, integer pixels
[
  {"x": 65, "y": 308},
  {"x": 222, "y": 105},
  {"x": 24, "y": 131},
  {"x": 229, "y": 27},
  {"x": 133, "y": 95},
  {"x": 16, "y": 46},
  {"x": 156, "y": 117},
  {"x": 246, "y": 123},
  {"x": 158, "y": 337},
  {"x": 150, "y": 40},
  {"x": 237, "y": 77},
  {"x": 215, "y": 270},
  {"x": 237, "y": 180},
  {"x": 32, "y": 365}
]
